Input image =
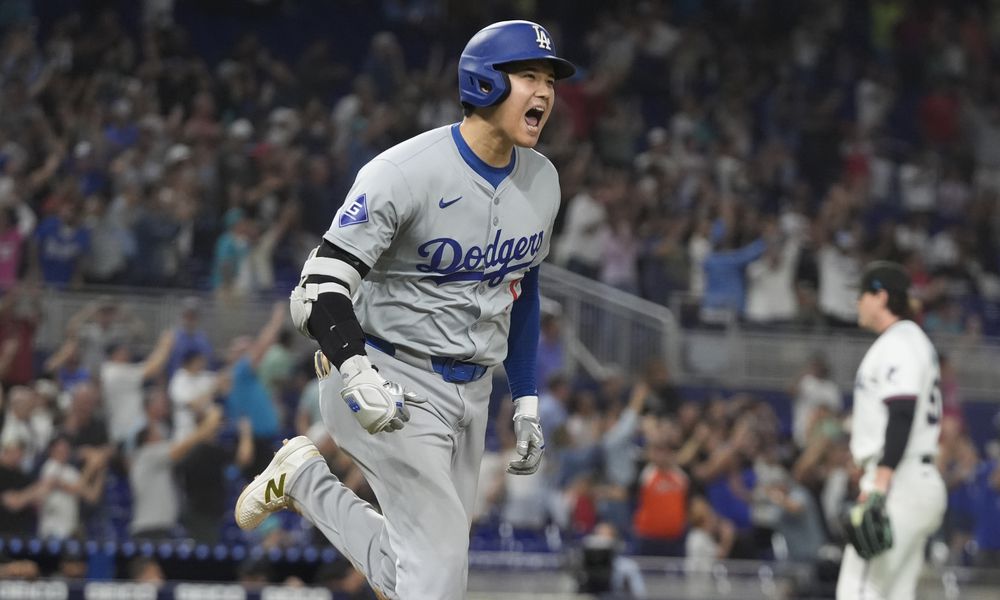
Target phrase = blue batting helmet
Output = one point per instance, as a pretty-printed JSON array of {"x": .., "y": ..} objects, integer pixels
[{"x": 480, "y": 83}]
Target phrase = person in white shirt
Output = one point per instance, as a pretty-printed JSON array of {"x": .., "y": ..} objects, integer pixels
[
  {"x": 771, "y": 284},
  {"x": 59, "y": 515},
  {"x": 579, "y": 247},
  {"x": 191, "y": 391},
  {"x": 121, "y": 384},
  {"x": 21, "y": 427},
  {"x": 894, "y": 437},
  {"x": 838, "y": 274},
  {"x": 813, "y": 390}
]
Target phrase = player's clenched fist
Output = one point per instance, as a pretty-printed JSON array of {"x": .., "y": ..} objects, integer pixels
[
  {"x": 530, "y": 441},
  {"x": 377, "y": 404}
]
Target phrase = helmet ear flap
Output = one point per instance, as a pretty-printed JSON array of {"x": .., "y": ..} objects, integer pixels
[{"x": 506, "y": 88}]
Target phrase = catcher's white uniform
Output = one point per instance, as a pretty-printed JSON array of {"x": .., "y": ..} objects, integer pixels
[{"x": 901, "y": 366}]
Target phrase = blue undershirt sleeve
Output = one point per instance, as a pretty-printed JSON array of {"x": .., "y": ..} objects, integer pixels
[{"x": 522, "y": 340}]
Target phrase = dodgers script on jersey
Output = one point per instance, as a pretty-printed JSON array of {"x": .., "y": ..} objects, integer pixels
[
  {"x": 900, "y": 365},
  {"x": 441, "y": 284}
]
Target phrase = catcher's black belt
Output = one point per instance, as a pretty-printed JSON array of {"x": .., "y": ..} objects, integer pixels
[{"x": 450, "y": 369}]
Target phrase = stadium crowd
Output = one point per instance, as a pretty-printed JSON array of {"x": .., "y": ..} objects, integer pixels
[{"x": 736, "y": 160}]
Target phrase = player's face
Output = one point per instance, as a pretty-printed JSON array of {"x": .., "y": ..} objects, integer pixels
[
  {"x": 523, "y": 115},
  {"x": 869, "y": 304}
]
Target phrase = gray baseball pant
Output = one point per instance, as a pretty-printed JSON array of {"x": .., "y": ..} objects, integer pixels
[{"x": 424, "y": 476}]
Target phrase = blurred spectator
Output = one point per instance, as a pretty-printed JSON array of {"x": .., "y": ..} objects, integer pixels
[
  {"x": 61, "y": 245},
  {"x": 771, "y": 284},
  {"x": 66, "y": 366},
  {"x": 276, "y": 366},
  {"x": 308, "y": 418},
  {"x": 99, "y": 326},
  {"x": 725, "y": 279},
  {"x": 603, "y": 569},
  {"x": 839, "y": 273},
  {"x": 82, "y": 422},
  {"x": 122, "y": 381},
  {"x": 710, "y": 539},
  {"x": 20, "y": 317},
  {"x": 552, "y": 402},
  {"x": 986, "y": 507},
  {"x": 111, "y": 242},
  {"x": 202, "y": 480},
  {"x": 244, "y": 254},
  {"x": 190, "y": 335},
  {"x": 551, "y": 348},
  {"x": 156, "y": 413},
  {"x": 17, "y": 223},
  {"x": 661, "y": 396},
  {"x": 59, "y": 514},
  {"x": 784, "y": 506},
  {"x": 728, "y": 478},
  {"x": 579, "y": 247},
  {"x": 661, "y": 514},
  {"x": 814, "y": 389},
  {"x": 155, "y": 494},
  {"x": 951, "y": 399},
  {"x": 619, "y": 256},
  {"x": 20, "y": 494},
  {"x": 620, "y": 457},
  {"x": 958, "y": 461},
  {"x": 247, "y": 396},
  {"x": 192, "y": 389},
  {"x": 23, "y": 426}
]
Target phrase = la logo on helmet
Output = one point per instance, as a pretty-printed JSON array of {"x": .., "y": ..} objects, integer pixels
[{"x": 543, "y": 39}]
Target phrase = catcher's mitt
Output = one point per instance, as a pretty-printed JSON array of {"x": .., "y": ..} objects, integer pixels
[{"x": 867, "y": 526}]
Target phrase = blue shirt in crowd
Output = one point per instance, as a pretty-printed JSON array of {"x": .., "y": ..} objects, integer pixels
[
  {"x": 249, "y": 398},
  {"x": 60, "y": 248}
]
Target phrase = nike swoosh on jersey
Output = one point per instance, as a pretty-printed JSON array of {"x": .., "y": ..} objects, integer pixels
[{"x": 444, "y": 204}]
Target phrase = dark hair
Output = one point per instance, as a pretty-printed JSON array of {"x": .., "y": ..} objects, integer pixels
[
  {"x": 467, "y": 109},
  {"x": 190, "y": 355},
  {"x": 899, "y": 304},
  {"x": 893, "y": 279},
  {"x": 115, "y": 346},
  {"x": 143, "y": 436}
]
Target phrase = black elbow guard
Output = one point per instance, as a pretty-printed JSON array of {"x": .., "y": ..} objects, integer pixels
[{"x": 336, "y": 328}]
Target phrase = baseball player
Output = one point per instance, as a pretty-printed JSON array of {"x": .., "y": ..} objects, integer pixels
[
  {"x": 432, "y": 263},
  {"x": 894, "y": 439}
]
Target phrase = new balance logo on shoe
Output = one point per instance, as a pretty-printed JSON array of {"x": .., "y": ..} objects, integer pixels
[{"x": 278, "y": 490}]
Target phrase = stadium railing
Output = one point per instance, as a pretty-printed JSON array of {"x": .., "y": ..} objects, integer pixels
[{"x": 604, "y": 330}]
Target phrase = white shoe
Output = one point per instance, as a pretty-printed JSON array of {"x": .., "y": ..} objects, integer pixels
[{"x": 266, "y": 493}]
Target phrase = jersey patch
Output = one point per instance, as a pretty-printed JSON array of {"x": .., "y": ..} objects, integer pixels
[{"x": 356, "y": 213}]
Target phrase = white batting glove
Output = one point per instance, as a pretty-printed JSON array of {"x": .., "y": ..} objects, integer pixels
[
  {"x": 377, "y": 404},
  {"x": 530, "y": 441}
]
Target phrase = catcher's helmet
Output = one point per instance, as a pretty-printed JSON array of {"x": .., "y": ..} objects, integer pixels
[{"x": 480, "y": 83}]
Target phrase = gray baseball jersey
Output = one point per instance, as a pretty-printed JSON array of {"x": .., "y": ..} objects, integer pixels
[{"x": 447, "y": 251}]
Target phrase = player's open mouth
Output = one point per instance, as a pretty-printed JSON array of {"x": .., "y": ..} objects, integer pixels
[{"x": 534, "y": 117}]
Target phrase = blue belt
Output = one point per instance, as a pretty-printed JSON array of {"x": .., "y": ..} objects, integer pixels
[{"x": 451, "y": 370}]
